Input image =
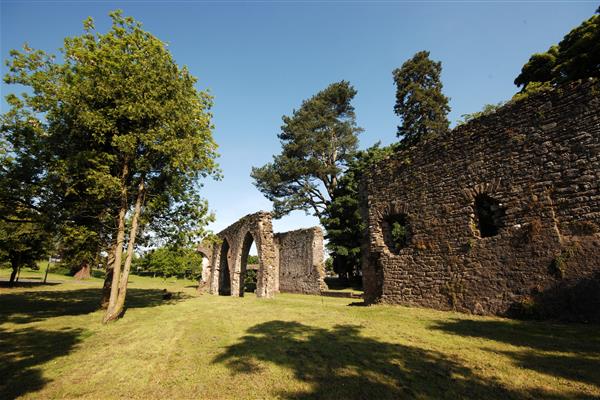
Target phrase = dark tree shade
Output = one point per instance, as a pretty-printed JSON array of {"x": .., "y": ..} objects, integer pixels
[{"x": 420, "y": 102}]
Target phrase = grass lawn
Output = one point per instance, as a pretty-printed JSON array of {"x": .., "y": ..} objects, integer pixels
[{"x": 52, "y": 345}]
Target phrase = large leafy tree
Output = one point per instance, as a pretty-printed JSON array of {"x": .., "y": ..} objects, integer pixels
[
  {"x": 122, "y": 118},
  {"x": 420, "y": 102},
  {"x": 342, "y": 218},
  {"x": 25, "y": 229},
  {"x": 318, "y": 140},
  {"x": 22, "y": 244},
  {"x": 577, "y": 56}
]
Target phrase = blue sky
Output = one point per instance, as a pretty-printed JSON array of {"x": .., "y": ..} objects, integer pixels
[{"x": 260, "y": 59}]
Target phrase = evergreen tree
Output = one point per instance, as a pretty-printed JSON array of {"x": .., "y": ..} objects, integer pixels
[
  {"x": 420, "y": 102},
  {"x": 318, "y": 141},
  {"x": 342, "y": 219}
]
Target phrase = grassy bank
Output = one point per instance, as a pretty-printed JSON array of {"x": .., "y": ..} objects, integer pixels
[{"x": 292, "y": 347}]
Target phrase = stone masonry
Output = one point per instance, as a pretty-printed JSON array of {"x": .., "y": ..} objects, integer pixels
[
  {"x": 497, "y": 213},
  {"x": 294, "y": 259},
  {"x": 205, "y": 250},
  {"x": 230, "y": 257},
  {"x": 300, "y": 259}
]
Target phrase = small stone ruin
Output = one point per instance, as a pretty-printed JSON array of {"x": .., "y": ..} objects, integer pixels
[{"x": 288, "y": 262}]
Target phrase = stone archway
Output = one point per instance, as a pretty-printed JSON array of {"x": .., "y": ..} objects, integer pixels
[
  {"x": 289, "y": 261},
  {"x": 239, "y": 236}
]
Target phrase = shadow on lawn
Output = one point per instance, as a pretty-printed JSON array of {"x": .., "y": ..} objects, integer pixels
[
  {"x": 342, "y": 364},
  {"x": 578, "y": 345},
  {"x": 31, "y": 306},
  {"x": 23, "y": 350},
  {"x": 29, "y": 283}
]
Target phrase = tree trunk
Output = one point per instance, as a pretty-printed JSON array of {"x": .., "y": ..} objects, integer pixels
[
  {"x": 114, "y": 289},
  {"x": 18, "y": 273},
  {"x": 84, "y": 272},
  {"x": 13, "y": 274},
  {"x": 119, "y": 282},
  {"x": 130, "y": 246},
  {"x": 47, "y": 268},
  {"x": 108, "y": 278}
]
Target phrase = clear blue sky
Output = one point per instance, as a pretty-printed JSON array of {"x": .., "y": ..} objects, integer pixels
[{"x": 260, "y": 59}]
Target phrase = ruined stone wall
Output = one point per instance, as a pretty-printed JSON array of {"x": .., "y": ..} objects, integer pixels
[
  {"x": 537, "y": 162},
  {"x": 300, "y": 260},
  {"x": 231, "y": 255},
  {"x": 205, "y": 250},
  {"x": 299, "y": 253}
]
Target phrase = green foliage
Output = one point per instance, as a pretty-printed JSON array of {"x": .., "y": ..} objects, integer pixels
[
  {"x": 115, "y": 120},
  {"x": 329, "y": 265},
  {"x": 342, "y": 218},
  {"x": 252, "y": 259},
  {"x": 420, "y": 102},
  {"x": 531, "y": 89},
  {"x": 538, "y": 68},
  {"x": 399, "y": 234},
  {"x": 399, "y": 231},
  {"x": 22, "y": 244},
  {"x": 558, "y": 266},
  {"x": 487, "y": 109},
  {"x": 577, "y": 56},
  {"x": 169, "y": 261},
  {"x": 250, "y": 279},
  {"x": 318, "y": 140}
]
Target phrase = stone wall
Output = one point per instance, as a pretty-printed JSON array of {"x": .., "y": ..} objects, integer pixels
[
  {"x": 498, "y": 213},
  {"x": 205, "y": 250},
  {"x": 229, "y": 258},
  {"x": 299, "y": 253},
  {"x": 300, "y": 259}
]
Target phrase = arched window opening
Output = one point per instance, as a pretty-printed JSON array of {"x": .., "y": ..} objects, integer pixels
[
  {"x": 489, "y": 215},
  {"x": 396, "y": 232},
  {"x": 249, "y": 265}
]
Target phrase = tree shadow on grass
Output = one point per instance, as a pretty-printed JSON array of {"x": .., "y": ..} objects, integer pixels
[
  {"x": 31, "y": 306},
  {"x": 342, "y": 364},
  {"x": 29, "y": 283},
  {"x": 23, "y": 351},
  {"x": 566, "y": 351}
]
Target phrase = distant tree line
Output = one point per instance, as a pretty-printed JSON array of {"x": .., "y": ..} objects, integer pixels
[{"x": 168, "y": 261}]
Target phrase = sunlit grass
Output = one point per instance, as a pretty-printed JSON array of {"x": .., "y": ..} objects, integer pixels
[{"x": 292, "y": 347}]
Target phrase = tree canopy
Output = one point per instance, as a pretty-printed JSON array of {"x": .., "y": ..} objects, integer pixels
[
  {"x": 577, "y": 56},
  {"x": 318, "y": 140},
  {"x": 124, "y": 133},
  {"x": 420, "y": 103},
  {"x": 342, "y": 218}
]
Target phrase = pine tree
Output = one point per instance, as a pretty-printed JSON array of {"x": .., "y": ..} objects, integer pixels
[
  {"x": 420, "y": 102},
  {"x": 318, "y": 140}
]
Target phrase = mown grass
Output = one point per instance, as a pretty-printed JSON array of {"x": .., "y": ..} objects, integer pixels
[{"x": 52, "y": 345}]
